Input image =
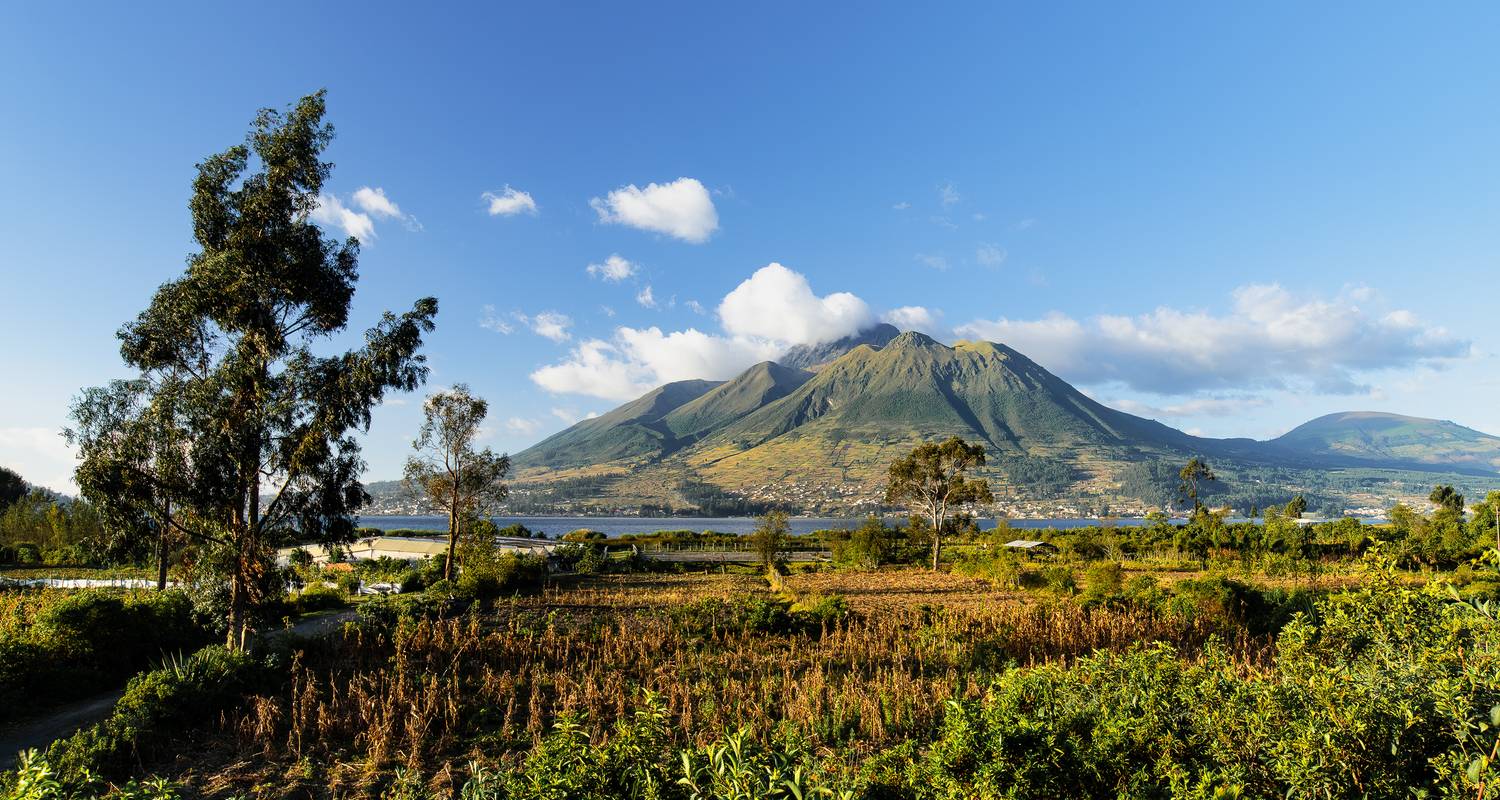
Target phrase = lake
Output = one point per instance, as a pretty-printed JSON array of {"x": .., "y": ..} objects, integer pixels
[{"x": 620, "y": 526}]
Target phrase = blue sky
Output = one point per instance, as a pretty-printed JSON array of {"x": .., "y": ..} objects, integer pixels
[{"x": 1232, "y": 219}]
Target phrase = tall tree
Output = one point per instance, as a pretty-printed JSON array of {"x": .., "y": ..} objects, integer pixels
[
  {"x": 457, "y": 478},
  {"x": 1296, "y": 507},
  {"x": 1195, "y": 472},
  {"x": 265, "y": 422},
  {"x": 931, "y": 481}
]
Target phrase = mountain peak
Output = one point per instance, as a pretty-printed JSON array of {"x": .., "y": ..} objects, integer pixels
[
  {"x": 914, "y": 339},
  {"x": 811, "y": 356}
]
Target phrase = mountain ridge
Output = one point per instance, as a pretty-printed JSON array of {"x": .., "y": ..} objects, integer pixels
[{"x": 826, "y": 435}]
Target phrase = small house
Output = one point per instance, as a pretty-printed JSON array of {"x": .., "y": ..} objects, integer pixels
[{"x": 1032, "y": 549}]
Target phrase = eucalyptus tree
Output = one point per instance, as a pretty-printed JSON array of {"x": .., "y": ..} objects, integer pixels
[
  {"x": 255, "y": 425},
  {"x": 454, "y": 476},
  {"x": 1195, "y": 472},
  {"x": 931, "y": 481}
]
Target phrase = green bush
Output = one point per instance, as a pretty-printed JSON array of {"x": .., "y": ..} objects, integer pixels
[
  {"x": 28, "y": 553},
  {"x": 319, "y": 597},
  {"x": 819, "y": 611},
  {"x": 89, "y": 641},
  {"x": 509, "y": 572},
  {"x": 1393, "y": 695},
  {"x": 157, "y": 707}
]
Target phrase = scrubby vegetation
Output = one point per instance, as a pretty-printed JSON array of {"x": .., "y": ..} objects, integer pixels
[
  {"x": 57, "y": 646},
  {"x": 1079, "y": 678}
]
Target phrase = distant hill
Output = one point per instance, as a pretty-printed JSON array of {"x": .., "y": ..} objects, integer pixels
[{"x": 1393, "y": 440}]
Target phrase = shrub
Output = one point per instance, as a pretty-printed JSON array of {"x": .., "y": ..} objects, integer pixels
[
  {"x": 28, "y": 553},
  {"x": 158, "y": 706},
  {"x": 1059, "y": 579},
  {"x": 1394, "y": 692},
  {"x": 319, "y": 597},
  {"x": 348, "y": 583},
  {"x": 819, "y": 611},
  {"x": 87, "y": 641}
]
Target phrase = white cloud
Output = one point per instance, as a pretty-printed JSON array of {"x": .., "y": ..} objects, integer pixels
[
  {"x": 932, "y": 261},
  {"x": 682, "y": 209},
  {"x": 771, "y": 310},
  {"x": 552, "y": 325},
  {"x": 1213, "y": 406},
  {"x": 549, "y": 324},
  {"x": 492, "y": 321},
  {"x": 639, "y": 360},
  {"x": 914, "y": 318},
  {"x": 522, "y": 426},
  {"x": 41, "y": 456},
  {"x": 696, "y": 307},
  {"x": 1269, "y": 339},
  {"x": 606, "y": 311},
  {"x": 594, "y": 368},
  {"x": 570, "y": 416},
  {"x": 990, "y": 255},
  {"x": 374, "y": 202},
  {"x": 901, "y": 206},
  {"x": 948, "y": 194},
  {"x": 645, "y": 298},
  {"x": 777, "y": 303},
  {"x": 614, "y": 269},
  {"x": 331, "y": 212},
  {"x": 509, "y": 202}
]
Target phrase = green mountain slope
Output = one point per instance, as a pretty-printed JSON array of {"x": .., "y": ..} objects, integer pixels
[
  {"x": 917, "y": 388},
  {"x": 634, "y": 430},
  {"x": 782, "y": 435},
  {"x": 1393, "y": 440},
  {"x": 871, "y": 402},
  {"x": 731, "y": 401}
]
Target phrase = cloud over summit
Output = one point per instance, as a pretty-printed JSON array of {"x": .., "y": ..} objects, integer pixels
[{"x": 775, "y": 308}]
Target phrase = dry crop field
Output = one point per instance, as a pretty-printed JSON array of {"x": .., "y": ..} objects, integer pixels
[{"x": 432, "y": 695}]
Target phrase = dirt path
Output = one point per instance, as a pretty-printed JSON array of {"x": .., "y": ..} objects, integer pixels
[{"x": 39, "y": 732}]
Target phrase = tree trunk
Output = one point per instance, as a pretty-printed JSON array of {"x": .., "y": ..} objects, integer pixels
[
  {"x": 161, "y": 547},
  {"x": 937, "y": 538},
  {"x": 235, "y": 590},
  {"x": 452, "y": 541}
]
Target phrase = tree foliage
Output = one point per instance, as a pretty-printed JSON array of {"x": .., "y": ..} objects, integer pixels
[
  {"x": 256, "y": 423},
  {"x": 464, "y": 482},
  {"x": 931, "y": 481},
  {"x": 770, "y": 539},
  {"x": 1195, "y": 472}
]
